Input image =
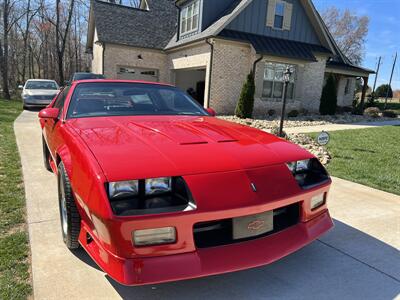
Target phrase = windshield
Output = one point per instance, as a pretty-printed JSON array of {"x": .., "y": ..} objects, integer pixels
[
  {"x": 130, "y": 99},
  {"x": 41, "y": 85},
  {"x": 83, "y": 76}
]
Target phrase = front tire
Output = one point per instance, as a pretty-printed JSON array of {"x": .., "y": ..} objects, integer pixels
[{"x": 69, "y": 215}]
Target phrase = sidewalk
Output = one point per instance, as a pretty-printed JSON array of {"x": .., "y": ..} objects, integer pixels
[
  {"x": 359, "y": 259},
  {"x": 334, "y": 127}
]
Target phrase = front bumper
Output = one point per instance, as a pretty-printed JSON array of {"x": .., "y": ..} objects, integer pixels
[
  {"x": 37, "y": 103},
  {"x": 207, "y": 261}
]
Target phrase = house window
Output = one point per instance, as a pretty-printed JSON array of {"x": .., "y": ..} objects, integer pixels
[
  {"x": 279, "y": 14},
  {"x": 347, "y": 87},
  {"x": 274, "y": 82},
  {"x": 190, "y": 17}
]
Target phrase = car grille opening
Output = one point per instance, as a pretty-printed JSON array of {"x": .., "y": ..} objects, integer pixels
[{"x": 220, "y": 232}]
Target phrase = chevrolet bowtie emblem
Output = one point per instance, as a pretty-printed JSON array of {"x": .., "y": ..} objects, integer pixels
[
  {"x": 255, "y": 225},
  {"x": 253, "y": 186}
]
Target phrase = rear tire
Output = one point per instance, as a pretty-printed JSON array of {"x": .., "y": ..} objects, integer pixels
[
  {"x": 46, "y": 155},
  {"x": 69, "y": 214}
]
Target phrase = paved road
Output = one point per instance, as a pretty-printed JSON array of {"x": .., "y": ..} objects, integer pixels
[{"x": 359, "y": 259}]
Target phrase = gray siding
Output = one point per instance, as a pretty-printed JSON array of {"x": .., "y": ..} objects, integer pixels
[
  {"x": 253, "y": 20},
  {"x": 213, "y": 9}
]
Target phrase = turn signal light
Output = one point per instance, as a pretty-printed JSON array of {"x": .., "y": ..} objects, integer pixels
[{"x": 156, "y": 236}]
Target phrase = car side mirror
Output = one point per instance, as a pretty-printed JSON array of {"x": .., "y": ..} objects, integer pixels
[
  {"x": 211, "y": 112},
  {"x": 20, "y": 87},
  {"x": 49, "y": 113}
]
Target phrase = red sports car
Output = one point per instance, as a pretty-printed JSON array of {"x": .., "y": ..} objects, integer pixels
[{"x": 155, "y": 188}]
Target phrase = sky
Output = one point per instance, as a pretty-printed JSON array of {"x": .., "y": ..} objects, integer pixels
[{"x": 383, "y": 37}]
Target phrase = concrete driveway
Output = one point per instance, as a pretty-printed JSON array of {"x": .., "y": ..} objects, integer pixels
[{"x": 359, "y": 259}]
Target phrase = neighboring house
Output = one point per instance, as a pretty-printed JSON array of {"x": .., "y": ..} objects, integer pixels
[{"x": 210, "y": 47}]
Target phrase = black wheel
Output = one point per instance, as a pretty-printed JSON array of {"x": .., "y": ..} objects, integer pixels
[
  {"x": 69, "y": 215},
  {"x": 46, "y": 155}
]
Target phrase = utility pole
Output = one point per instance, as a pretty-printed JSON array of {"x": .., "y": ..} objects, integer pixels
[
  {"x": 377, "y": 73},
  {"x": 390, "y": 81}
]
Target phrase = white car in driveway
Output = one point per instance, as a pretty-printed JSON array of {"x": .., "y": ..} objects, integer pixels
[{"x": 39, "y": 92}]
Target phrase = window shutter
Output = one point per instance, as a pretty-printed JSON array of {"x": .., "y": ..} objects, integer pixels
[
  {"x": 271, "y": 13},
  {"x": 287, "y": 19}
]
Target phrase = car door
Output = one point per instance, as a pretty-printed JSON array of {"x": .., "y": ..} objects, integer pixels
[{"x": 52, "y": 127}]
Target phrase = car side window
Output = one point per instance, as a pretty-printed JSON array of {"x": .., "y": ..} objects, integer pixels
[{"x": 59, "y": 103}]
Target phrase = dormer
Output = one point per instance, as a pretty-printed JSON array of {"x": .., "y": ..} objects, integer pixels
[{"x": 196, "y": 15}]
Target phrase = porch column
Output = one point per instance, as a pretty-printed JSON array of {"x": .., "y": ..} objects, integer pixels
[{"x": 364, "y": 92}]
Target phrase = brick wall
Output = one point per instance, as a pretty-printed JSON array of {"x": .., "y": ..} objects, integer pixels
[
  {"x": 311, "y": 83},
  {"x": 343, "y": 98},
  {"x": 118, "y": 55},
  {"x": 231, "y": 64}
]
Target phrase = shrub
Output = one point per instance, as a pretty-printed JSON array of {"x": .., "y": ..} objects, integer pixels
[
  {"x": 371, "y": 100},
  {"x": 293, "y": 114},
  {"x": 356, "y": 107},
  {"x": 343, "y": 109},
  {"x": 244, "y": 108},
  {"x": 372, "y": 112},
  {"x": 271, "y": 112},
  {"x": 329, "y": 97},
  {"x": 304, "y": 111},
  {"x": 389, "y": 114}
]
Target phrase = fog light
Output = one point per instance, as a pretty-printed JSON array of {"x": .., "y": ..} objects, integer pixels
[
  {"x": 317, "y": 201},
  {"x": 156, "y": 236}
]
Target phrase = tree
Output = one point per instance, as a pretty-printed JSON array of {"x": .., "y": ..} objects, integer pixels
[
  {"x": 244, "y": 108},
  {"x": 382, "y": 90},
  {"x": 349, "y": 31},
  {"x": 29, "y": 46},
  {"x": 328, "y": 102},
  {"x": 61, "y": 36}
]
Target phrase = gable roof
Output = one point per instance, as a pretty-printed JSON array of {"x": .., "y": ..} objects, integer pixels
[
  {"x": 223, "y": 20},
  {"x": 129, "y": 26}
]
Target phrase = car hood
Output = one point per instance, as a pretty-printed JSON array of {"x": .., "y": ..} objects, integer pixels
[
  {"x": 149, "y": 147},
  {"x": 40, "y": 92}
]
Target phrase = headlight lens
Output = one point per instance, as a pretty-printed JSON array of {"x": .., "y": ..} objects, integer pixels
[
  {"x": 123, "y": 189},
  {"x": 308, "y": 173},
  {"x": 298, "y": 166},
  {"x": 158, "y": 186},
  {"x": 152, "y": 195}
]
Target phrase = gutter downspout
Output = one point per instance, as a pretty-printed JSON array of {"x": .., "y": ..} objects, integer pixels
[
  {"x": 211, "y": 69},
  {"x": 255, "y": 64}
]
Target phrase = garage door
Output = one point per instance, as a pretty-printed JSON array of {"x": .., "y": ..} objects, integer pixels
[{"x": 132, "y": 73}]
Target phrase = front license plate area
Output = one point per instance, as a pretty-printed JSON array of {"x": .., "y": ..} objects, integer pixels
[{"x": 254, "y": 225}]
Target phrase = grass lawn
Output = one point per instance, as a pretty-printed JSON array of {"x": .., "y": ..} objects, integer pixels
[
  {"x": 367, "y": 156},
  {"x": 14, "y": 247}
]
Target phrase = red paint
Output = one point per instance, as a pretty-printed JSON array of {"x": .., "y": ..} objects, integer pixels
[{"x": 218, "y": 160}]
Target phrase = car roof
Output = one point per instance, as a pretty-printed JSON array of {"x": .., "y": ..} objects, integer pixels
[
  {"x": 120, "y": 81},
  {"x": 50, "y": 80}
]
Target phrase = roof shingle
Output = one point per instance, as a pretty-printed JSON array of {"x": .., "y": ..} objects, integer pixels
[{"x": 135, "y": 27}]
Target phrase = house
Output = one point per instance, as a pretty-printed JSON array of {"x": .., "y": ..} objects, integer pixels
[{"x": 208, "y": 47}]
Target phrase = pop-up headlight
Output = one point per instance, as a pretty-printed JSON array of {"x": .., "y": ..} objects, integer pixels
[{"x": 308, "y": 173}]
